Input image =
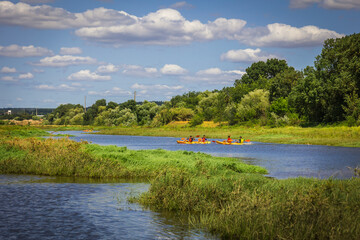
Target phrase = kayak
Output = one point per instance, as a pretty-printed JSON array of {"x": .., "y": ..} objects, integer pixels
[
  {"x": 227, "y": 143},
  {"x": 195, "y": 142}
]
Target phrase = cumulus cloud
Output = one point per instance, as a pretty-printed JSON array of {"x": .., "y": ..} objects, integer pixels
[
  {"x": 163, "y": 27},
  {"x": 8, "y": 79},
  {"x": 26, "y": 76},
  {"x": 115, "y": 91},
  {"x": 64, "y": 61},
  {"x": 47, "y": 17},
  {"x": 282, "y": 35},
  {"x": 246, "y": 55},
  {"x": 70, "y": 51},
  {"x": 172, "y": 69},
  {"x": 150, "y": 29},
  {"x": 139, "y": 71},
  {"x": 328, "y": 4},
  {"x": 8, "y": 70},
  {"x": 86, "y": 75},
  {"x": 110, "y": 68},
  {"x": 23, "y": 51},
  {"x": 61, "y": 87}
]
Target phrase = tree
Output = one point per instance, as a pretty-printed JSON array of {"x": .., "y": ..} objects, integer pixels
[
  {"x": 282, "y": 84},
  {"x": 253, "y": 106},
  {"x": 266, "y": 70},
  {"x": 308, "y": 97},
  {"x": 338, "y": 68}
]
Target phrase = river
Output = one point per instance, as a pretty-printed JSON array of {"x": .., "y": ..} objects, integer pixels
[{"x": 281, "y": 160}]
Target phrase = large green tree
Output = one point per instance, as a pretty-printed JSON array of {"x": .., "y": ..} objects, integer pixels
[{"x": 338, "y": 68}]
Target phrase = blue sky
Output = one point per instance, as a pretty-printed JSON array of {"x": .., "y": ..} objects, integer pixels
[{"x": 58, "y": 51}]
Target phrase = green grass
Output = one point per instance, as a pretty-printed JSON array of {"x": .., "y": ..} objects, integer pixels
[{"x": 248, "y": 206}]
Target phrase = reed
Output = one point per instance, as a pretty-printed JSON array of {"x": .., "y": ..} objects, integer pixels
[{"x": 250, "y": 206}]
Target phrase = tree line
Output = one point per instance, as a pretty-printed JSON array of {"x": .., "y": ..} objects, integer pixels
[{"x": 269, "y": 93}]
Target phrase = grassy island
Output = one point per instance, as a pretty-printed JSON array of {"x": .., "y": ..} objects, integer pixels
[{"x": 222, "y": 195}]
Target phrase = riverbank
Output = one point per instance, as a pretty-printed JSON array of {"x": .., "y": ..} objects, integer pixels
[
  {"x": 341, "y": 136},
  {"x": 224, "y": 196}
]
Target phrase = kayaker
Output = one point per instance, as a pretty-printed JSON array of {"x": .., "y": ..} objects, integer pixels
[
  {"x": 229, "y": 140},
  {"x": 241, "y": 140},
  {"x": 203, "y": 139},
  {"x": 190, "y": 139}
]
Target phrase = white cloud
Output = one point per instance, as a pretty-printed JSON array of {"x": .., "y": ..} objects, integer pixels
[
  {"x": 110, "y": 68},
  {"x": 115, "y": 91},
  {"x": 61, "y": 87},
  {"x": 282, "y": 35},
  {"x": 150, "y": 29},
  {"x": 47, "y": 17},
  {"x": 172, "y": 69},
  {"x": 65, "y": 60},
  {"x": 246, "y": 55},
  {"x": 86, "y": 75},
  {"x": 8, "y": 70},
  {"x": 165, "y": 26},
  {"x": 8, "y": 79},
  {"x": 70, "y": 51},
  {"x": 157, "y": 89},
  {"x": 329, "y": 4},
  {"x": 26, "y": 76},
  {"x": 181, "y": 5},
  {"x": 23, "y": 51},
  {"x": 139, "y": 71},
  {"x": 19, "y": 99}
]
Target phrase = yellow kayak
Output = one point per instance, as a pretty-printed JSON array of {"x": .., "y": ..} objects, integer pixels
[
  {"x": 227, "y": 143},
  {"x": 194, "y": 142}
]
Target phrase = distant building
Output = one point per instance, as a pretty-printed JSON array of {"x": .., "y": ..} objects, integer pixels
[{"x": 9, "y": 112}]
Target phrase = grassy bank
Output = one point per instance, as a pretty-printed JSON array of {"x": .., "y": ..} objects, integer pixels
[
  {"x": 331, "y": 136},
  {"x": 222, "y": 195}
]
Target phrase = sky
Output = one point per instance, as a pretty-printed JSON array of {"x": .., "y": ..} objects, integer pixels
[{"x": 55, "y": 52}]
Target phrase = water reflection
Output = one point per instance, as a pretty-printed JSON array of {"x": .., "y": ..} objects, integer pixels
[{"x": 35, "y": 207}]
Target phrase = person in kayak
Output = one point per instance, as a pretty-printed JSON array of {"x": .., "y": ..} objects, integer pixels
[
  {"x": 190, "y": 139},
  {"x": 203, "y": 139},
  {"x": 229, "y": 140},
  {"x": 241, "y": 140}
]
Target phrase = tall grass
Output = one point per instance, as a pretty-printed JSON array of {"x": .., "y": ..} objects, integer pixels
[
  {"x": 250, "y": 206},
  {"x": 68, "y": 158}
]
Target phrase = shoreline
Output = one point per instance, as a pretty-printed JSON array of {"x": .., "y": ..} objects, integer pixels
[{"x": 340, "y": 136}]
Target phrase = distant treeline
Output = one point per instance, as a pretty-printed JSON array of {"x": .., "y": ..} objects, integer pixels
[
  {"x": 23, "y": 113},
  {"x": 269, "y": 93}
]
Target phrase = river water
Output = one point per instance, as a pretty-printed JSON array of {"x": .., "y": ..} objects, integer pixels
[
  {"x": 33, "y": 207},
  {"x": 281, "y": 160}
]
